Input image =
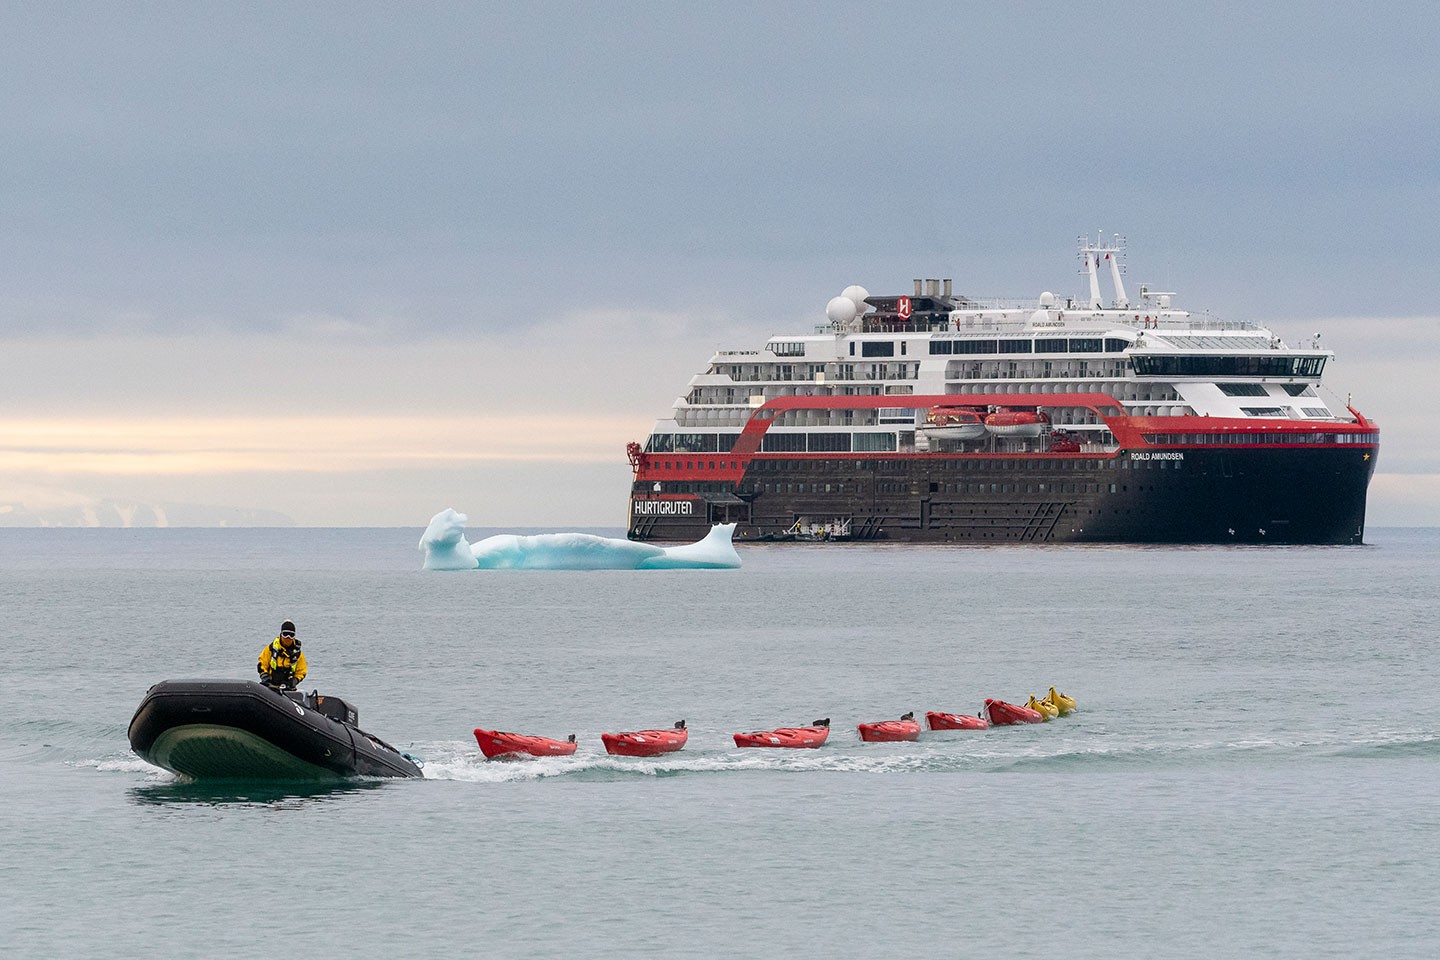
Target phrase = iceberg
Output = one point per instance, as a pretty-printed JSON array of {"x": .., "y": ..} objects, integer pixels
[{"x": 446, "y": 548}]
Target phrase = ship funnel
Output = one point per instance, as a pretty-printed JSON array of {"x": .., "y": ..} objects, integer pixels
[
  {"x": 947, "y": 287},
  {"x": 917, "y": 287},
  {"x": 932, "y": 288}
]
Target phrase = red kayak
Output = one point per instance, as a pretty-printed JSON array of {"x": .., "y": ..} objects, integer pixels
[
  {"x": 1003, "y": 714},
  {"x": 811, "y": 736},
  {"x": 954, "y": 721},
  {"x": 888, "y": 731},
  {"x": 498, "y": 743},
  {"x": 646, "y": 743}
]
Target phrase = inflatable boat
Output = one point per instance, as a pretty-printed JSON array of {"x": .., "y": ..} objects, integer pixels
[
  {"x": 241, "y": 730},
  {"x": 889, "y": 731},
  {"x": 1062, "y": 703},
  {"x": 797, "y": 737},
  {"x": 955, "y": 721},
  {"x": 1004, "y": 714},
  {"x": 1044, "y": 707},
  {"x": 646, "y": 743},
  {"x": 499, "y": 745}
]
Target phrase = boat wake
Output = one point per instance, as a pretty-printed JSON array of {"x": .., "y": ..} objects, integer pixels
[{"x": 968, "y": 753}]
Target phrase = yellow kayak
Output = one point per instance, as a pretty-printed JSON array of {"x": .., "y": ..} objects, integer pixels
[
  {"x": 1045, "y": 708},
  {"x": 1062, "y": 703}
]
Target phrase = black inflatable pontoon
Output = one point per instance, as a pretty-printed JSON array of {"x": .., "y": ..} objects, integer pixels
[{"x": 241, "y": 730}]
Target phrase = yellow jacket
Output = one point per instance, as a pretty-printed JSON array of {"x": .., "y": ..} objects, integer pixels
[{"x": 279, "y": 663}]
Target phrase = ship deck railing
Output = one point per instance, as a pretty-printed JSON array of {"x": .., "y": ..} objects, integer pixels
[{"x": 1076, "y": 317}]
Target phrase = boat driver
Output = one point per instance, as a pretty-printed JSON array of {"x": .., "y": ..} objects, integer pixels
[{"x": 282, "y": 663}]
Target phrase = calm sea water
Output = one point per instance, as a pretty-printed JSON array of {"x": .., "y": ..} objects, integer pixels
[{"x": 1253, "y": 770}]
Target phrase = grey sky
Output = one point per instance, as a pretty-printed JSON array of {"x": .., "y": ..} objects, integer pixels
[{"x": 367, "y": 188}]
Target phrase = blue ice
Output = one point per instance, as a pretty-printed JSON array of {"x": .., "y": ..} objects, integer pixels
[{"x": 446, "y": 548}]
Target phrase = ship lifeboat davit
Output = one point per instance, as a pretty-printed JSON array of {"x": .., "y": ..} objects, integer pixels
[
  {"x": 1062, "y": 703},
  {"x": 793, "y": 737},
  {"x": 646, "y": 743},
  {"x": 953, "y": 423},
  {"x": 1004, "y": 714},
  {"x": 890, "y": 731},
  {"x": 499, "y": 745},
  {"x": 1017, "y": 423},
  {"x": 955, "y": 721}
]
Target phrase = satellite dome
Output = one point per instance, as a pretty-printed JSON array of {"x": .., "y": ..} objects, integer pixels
[
  {"x": 1047, "y": 299},
  {"x": 840, "y": 310},
  {"x": 858, "y": 294}
]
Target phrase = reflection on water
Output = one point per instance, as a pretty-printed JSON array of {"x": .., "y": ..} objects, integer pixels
[{"x": 278, "y": 794}]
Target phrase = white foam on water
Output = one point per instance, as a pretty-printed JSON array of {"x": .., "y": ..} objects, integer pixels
[
  {"x": 454, "y": 761},
  {"x": 129, "y": 764}
]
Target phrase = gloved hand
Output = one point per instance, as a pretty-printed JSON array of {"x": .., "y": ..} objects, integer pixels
[{"x": 265, "y": 679}]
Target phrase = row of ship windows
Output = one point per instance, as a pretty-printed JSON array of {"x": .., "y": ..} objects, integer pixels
[
  {"x": 904, "y": 466},
  {"x": 1221, "y": 439},
  {"x": 886, "y": 487},
  {"x": 938, "y": 347},
  {"x": 1259, "y": 389},
  {"x": 1038, "y": 345},
  {"x": 885, "y": 466},
  {"x": 1202, "y": 366}
]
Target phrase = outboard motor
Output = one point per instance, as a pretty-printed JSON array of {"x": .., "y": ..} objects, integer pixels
[{"x": 336, "y": 709}]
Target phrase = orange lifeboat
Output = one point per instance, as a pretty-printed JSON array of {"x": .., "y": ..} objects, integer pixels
[
  {"x": 953, "y": 423},
  {"x": 646, "y": 743},
  {"x": 1017, "y": 423}
]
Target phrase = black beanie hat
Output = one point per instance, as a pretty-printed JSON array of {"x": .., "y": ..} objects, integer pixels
[{"x": 287, "y": 629}]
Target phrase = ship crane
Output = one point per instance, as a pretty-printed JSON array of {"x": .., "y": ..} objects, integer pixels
[{"x": 1092, "y": 254}]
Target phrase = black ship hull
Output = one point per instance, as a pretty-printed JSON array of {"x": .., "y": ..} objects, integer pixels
[
  {"x": 239, "y": 729},
  {"x": 1304, "y": 495}
]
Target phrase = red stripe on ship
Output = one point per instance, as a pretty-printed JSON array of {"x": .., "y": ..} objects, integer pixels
[{"x": 1129, "y": 431}]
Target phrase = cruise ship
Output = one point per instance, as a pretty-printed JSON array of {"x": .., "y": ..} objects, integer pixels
[{"x": 936, "y": 417}]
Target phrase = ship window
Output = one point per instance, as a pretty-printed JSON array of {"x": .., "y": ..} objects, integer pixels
[
  {"x": 1244, "y": 389},
  {"x": 1219, "y": 366},
  {"x": 1263, "y": 411},
  {"x": 1056, "y": 345},
  {"x": 1116, "y": 345},
  {"x": 1086, "y": 345},
  {"x": 877, "y": 348},
  {"x": 1017, "y": 346},
  {"x": 694, "y": 442},
  {"x": 1315, "y": 411},
  {"x": 828, "y": 442},
  {"x": 852, "y": 348},
  {"x": 941, "y": 346},
  {"x": 784, "y": 443},
  {"x": 1299, "y": 389},
  {"x": 787, "y": 349},
  {"x": 976, "y": 346},
  {"x": 875, "y": 442}
]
